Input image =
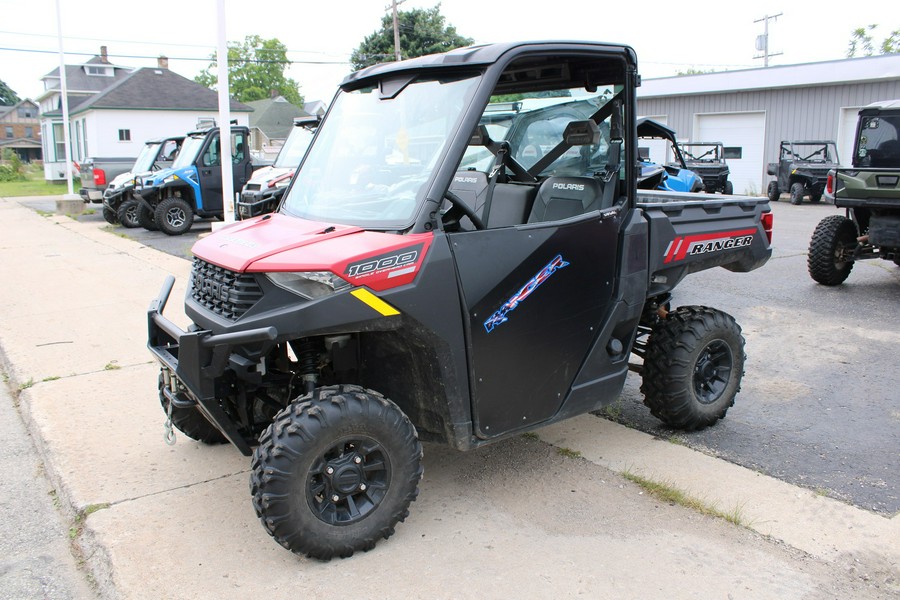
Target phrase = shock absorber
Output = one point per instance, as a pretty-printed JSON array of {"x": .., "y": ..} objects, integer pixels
[{"x": 307, "y": 351}]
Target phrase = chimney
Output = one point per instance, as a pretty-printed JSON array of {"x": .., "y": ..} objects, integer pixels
[
  {"x": 104, "y": 58},
  {"x": 162, "y": 62},
  {"x": 273, "y": 94}
]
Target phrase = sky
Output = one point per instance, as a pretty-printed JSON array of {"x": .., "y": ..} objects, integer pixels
[{"x": 320, "y": 36}]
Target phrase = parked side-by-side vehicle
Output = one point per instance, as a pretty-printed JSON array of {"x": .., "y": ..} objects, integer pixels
[
  {"x": 264, "y": 190},
  {"x": 869, "y": 191},
  {"x": 171, "y": 198},
  {"x": 427, "y": 277}
]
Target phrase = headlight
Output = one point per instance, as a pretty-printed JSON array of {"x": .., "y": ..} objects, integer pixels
[
  {"x": 309, "y": 284},
  {"x": 170, "y": 179}
]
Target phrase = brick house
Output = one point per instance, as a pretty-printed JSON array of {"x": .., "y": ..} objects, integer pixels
[{"x": 20, "y": 130}]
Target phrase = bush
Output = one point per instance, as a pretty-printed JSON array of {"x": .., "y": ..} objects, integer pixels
[{"x": 11, "y": 169}]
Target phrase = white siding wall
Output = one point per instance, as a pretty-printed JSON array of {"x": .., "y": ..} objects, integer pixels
[
  {"x": 100, "y": 134},
  {"x": 104, "y": 126}
]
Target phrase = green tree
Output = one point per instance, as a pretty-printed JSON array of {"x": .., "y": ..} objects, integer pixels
[
  {"x": 422, "y": 31},
  {"x": 255, "y": 69},
  {"x": 7, "y": 96},
  {"x": 861, "y": 40}
]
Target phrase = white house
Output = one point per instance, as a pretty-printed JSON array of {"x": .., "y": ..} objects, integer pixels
[{"x": 113, "y": 110}]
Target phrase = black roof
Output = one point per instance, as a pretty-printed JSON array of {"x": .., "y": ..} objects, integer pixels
[{"x": 154, "y": 89}]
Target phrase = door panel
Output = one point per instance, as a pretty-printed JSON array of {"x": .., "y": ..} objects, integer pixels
[{"x": 535, "y": 297}]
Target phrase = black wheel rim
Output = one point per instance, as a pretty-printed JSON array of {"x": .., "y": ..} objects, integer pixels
[
  {"x": 131, "y": 214},
  {"x": 712, "y": 371},
  {"x": 348, "y": 481}
]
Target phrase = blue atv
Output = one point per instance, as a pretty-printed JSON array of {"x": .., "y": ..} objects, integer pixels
[
  {"x": 171, "y": 198},
  {"x": 673, "y": 177}
]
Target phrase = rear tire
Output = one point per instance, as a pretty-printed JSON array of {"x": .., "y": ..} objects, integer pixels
[
  {"x": 191, "y": 421},
  {"x": 773, "y": 192},
  {"x": 128, "y": 213},
  {"x": 833, "y": 238},
  {"x": 335, "y": 472},
  {"x": 798, "y": 190},
  {"x": 693, "y": 367},
  {"x": 174, "y": 216}
]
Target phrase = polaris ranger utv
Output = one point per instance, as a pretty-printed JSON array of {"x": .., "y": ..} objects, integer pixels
[
  {"x": 411, "y": 287},
  {"x": 801, "y": 170},
  {"x": 707, "y": 159},
  {"x": 870, "y": 193}
]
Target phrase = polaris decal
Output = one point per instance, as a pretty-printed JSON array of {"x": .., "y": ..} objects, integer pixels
[
  {"x": 394, "y": 264},
  {"x": 578, "y": 187},
  {"x": 692, "y": 245},
  {"x": 510, "y": 305}
]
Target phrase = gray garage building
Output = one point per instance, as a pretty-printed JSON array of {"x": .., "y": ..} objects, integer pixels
[{"x": 752, "y": 110}]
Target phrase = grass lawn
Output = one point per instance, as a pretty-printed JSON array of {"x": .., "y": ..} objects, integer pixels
[{"x": 35, "y": 185}]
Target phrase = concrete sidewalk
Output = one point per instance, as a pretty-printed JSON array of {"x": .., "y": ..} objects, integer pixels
[{"x": 523, "y": 518}]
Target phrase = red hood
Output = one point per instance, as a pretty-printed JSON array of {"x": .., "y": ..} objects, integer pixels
[
  {"x": 275, "y": 242},
  {"x": 240, "y": 245}
]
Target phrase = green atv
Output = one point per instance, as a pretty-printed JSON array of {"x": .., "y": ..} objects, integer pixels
[{"x": 870, "y": 193}]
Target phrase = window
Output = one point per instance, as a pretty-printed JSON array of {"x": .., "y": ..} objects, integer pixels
[
  {"x": 212, "y": 155},
  {"x": 9, "y": 132},
  {"x": 99, "y": 71},
  {"x": 84, "y": 127},
  {"x": 734, "y": 152},
  {"x": 124, "y": 135},
  {"x": 59, "y": 142},
  {"x": 25, "y": 112},
  {"x": 29, "y": 132}
]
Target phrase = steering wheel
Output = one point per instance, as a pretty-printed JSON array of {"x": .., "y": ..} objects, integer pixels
[{"x": 459, "y": 206}]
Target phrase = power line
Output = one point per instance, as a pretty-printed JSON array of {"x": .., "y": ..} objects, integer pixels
[
  {"x": 106, "y": 41},
  {"x": 204, "y": 59}
]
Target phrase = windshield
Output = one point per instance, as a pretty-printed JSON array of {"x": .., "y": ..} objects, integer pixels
[
  {"x": 375, "y": 151},
  {"x": 811, "y": 153},
  {"x": 144, "y": 161},
  {"x": 879, "y": 142},
  {"x": 294, "y": 148},
  {"x": 188, "y": 153}
]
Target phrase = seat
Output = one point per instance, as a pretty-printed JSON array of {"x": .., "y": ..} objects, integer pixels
[{"x": 564, "y": 197}]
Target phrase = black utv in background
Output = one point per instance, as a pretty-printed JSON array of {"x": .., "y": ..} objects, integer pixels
[
  {"x": 707, "y": 159},
  {"x": 870, "y": 193},
  {"x": 801, "y": 170}
]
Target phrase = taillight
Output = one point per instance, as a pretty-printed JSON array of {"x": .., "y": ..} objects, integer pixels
[
  {"x": 99, "y": 177},
  {"x": 829, "y": 184},
  {"x": 768, "y": 220}
]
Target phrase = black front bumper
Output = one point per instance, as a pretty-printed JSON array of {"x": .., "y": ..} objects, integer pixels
[{"x": 191, "y": 361}]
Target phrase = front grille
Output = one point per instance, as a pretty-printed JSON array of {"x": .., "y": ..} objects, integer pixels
[{"x": 226, "y": 293}]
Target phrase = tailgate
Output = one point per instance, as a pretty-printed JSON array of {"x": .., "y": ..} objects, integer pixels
[{"x": 703, "y": 232}]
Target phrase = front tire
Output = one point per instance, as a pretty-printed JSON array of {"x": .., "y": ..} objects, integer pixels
[
  {"x": 798, "y": 190},
  {"x": 174, "y": 216},
  {"x": 833, "y": 239},
  {"x": 335, "y": 472},
  {"x": 191, "y": 421},
  {"x": 145, "y": 217},
  {"x": 693, "y": 367},
  {"x": 728, "y": 188},
  {"x": 109, "y": 215},
  {"x": 773, "y": 192},
  {"x": 128, "y": 213}
]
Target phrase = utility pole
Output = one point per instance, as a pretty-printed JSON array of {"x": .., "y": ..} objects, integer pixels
[
  {"x": 393, "y": 7},
  {"x": 762, "y": 41}
]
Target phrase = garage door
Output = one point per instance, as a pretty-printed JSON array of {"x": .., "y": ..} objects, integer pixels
[{"x": 744, "y": 137}]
